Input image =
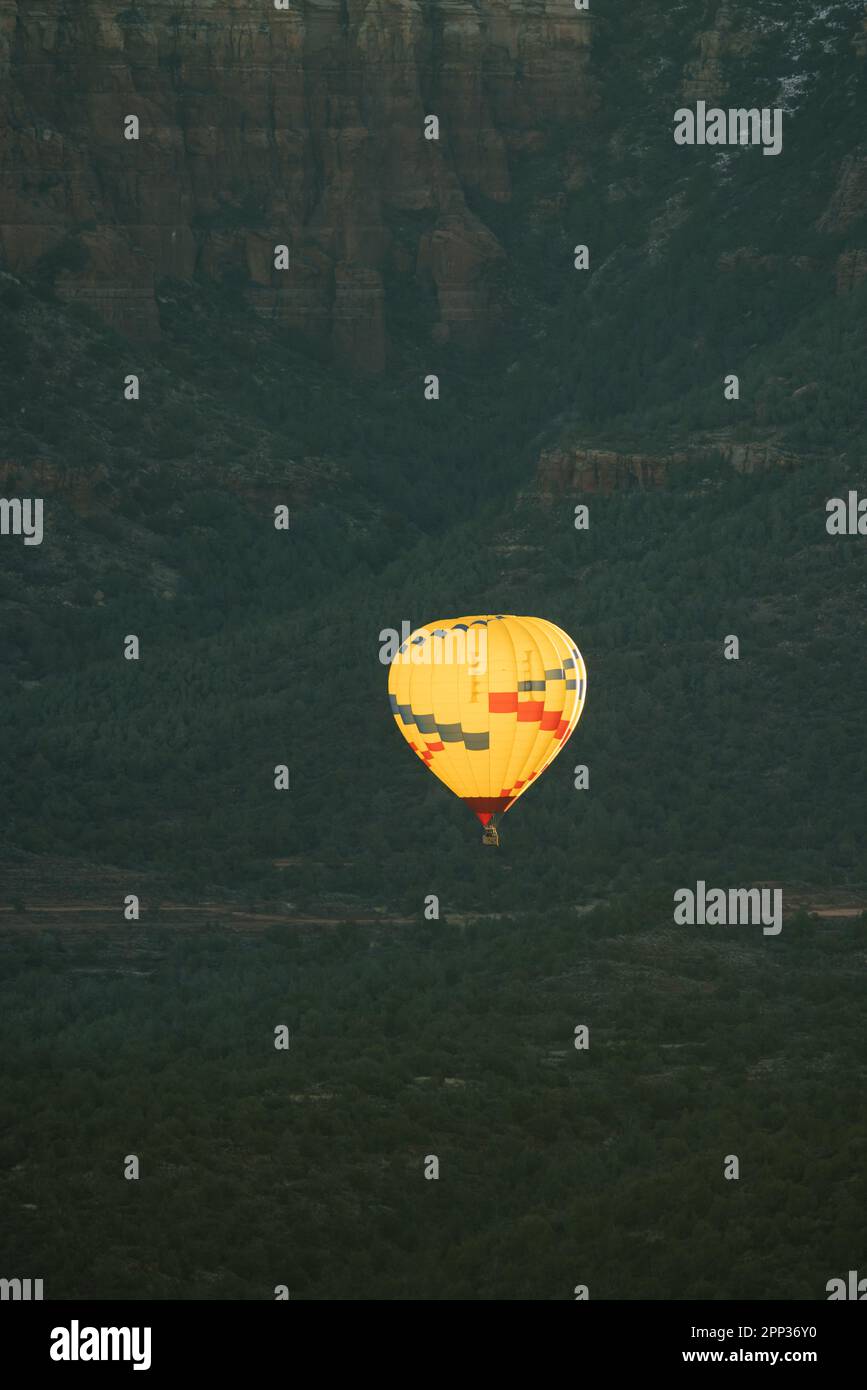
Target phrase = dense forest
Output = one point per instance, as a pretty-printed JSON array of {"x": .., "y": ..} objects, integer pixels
[
  {"x": 558, "y": 1166},
  {"x": 698, "y": 765}
]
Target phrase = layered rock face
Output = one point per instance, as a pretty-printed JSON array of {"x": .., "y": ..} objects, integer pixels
[
  {"x": 564, "y": 472},
  {"x": 704, "y": 78},
  {"x": 260, "y": 126}
]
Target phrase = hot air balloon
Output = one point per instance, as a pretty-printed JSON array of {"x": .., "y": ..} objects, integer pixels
[{"x": 487, "y": 702}]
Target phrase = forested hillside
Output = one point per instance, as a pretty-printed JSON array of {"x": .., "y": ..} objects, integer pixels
[
  {"x": 751, "y": 768},
  {"x": 557, "y": 1166}
]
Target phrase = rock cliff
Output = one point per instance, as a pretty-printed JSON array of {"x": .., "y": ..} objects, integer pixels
[
  {"x": 578, "y": 470},
  {"x": 260, "y": 126}
]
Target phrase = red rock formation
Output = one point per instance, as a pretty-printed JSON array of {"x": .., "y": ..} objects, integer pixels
[
  {"x": 851, "y": 270},
  {"x": 849, "y": 199},
  {"x": 457, "y": 255},
  {"x": 563, "y": 472},
  {"x": 704, "y": 76},
  {"x": 847, "y": 205},
  {"x": 42, "y": 478},
  {"x": 859, "y": 43},
  {"x": 260, "y": 127}
]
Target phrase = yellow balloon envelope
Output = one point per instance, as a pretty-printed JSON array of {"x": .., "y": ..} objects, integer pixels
[{"x": 487, "y": 702}]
